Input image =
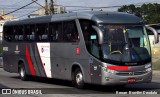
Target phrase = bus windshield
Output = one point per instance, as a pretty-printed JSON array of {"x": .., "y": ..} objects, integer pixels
[{"x": 125, "y": 43}]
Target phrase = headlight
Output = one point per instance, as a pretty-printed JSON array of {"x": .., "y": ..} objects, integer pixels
[
  {"x": 111, "y": 71},
  {"x": 108, "y": 70},
  {"x": 104, "y": 69},
  {"x": 148, "y": 67}
]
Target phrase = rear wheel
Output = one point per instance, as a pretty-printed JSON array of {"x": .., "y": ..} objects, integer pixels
[
  {"x": 22, "y": 73},
  {"x": 78, "y": 78}
]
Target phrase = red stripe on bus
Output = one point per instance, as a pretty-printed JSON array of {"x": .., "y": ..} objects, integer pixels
[
  {"x": 118, "y": 67},
  {"x": 30, "y": 62}
]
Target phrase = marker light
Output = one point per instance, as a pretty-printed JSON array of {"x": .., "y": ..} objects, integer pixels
[{"x": 77, "y": 50}]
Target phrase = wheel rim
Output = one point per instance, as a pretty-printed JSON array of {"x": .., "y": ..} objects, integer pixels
[
  {"x": 22, "y": 73},
  {"x": 79, "y": 78}
]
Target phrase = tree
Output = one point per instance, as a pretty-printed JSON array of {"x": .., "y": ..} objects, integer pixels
[
  {"x": 129, "y": 9},
  {"x": 149, "y": 12}
]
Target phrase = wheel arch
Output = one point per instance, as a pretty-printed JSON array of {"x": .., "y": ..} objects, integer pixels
[
  {"x": 20, "y": 61},
  {"x": 74, "y": 66}
]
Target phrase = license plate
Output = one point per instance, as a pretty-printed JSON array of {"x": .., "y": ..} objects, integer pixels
[{"x": 131, "y": 80}]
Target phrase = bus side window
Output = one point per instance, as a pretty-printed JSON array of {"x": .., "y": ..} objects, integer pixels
[
  {"x": 52, "y": 32},
  {"x": 59, "y": 32},
  {"x": 18, "y": 33},
  {"x": 8, "y": 33},
  {"x": 55, "y": 32},
  {"x": 26, "y": 30},
  {"x": 29, "y": 31},
  {"x": 15, "y": 33},
  {"x": 42, "y": 32},
  {"x": 70, "y": 31},
  {"x": 90, "y": 37}
]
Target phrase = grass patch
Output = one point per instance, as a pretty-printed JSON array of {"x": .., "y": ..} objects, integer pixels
[
  {"x": 156, "y": 65},
  {"x": 156, "y": 62}
]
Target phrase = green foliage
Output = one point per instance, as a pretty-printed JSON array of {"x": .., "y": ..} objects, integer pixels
[
  {"x": 149, "y": 12},
  {"x": 1, "y": 48}
]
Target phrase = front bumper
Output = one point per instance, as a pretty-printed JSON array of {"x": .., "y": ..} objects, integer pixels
[{"x": 113, "y": 79}]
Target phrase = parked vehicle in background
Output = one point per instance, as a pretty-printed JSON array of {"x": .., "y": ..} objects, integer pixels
[
  {"x": 1, "y": 35},
  {"x": 155, "y": 48},
  {"x": 1, "y": 30}
]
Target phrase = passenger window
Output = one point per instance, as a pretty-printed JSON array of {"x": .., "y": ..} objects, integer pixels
[
  {"x": 29, "y": 31},
  {"x": 53, "y": 32},
  {"x": 56, "y": 33},
  {"x": 42, "y": 32},
  {"x": 70, "y": 31},
  {"x": 18, "y": 33},
  {"x": 8, "y": 33},
  {"x": 63, "y": 31},
  {"x": 90, "y": 37}
]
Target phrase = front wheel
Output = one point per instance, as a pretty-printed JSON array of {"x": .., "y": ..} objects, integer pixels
[
  {"x": 78, "y": 78},
  {"x": 22, "y": 73}
]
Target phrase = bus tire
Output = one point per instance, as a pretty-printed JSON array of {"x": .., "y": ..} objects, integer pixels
[
  {"x": 78, "y": 78},
  {"x": 22, "y": 72}
]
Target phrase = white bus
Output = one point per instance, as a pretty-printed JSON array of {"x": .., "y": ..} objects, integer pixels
[{"x": 1, "y": 30}]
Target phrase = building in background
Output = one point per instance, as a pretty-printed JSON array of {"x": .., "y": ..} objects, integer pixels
[
  {"x": 8, "y": 17},
  {"x": 41, "y": 11},
  {"x": 1, "y": 18},
  {"x": 59, "y": 9}
]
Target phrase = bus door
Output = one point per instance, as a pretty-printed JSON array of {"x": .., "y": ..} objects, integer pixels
[{"x": 94, "y": 49}]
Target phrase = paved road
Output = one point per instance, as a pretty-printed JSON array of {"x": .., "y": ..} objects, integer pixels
[
  {"x": 1, "y": 61},
  {"x": 59, "y": 88}
]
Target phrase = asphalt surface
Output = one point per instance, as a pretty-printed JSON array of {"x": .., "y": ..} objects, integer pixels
[
  {"x": 60, "y": 88},
  {"x": 1, "y": 62}
]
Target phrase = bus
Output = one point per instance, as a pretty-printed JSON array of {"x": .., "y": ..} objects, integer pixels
[
  {"x": 1, "y": 34},
  {"x": 155, "y": 48},
  {"x": 95, "y": 47},
  {"x": 1, "y": 29}
]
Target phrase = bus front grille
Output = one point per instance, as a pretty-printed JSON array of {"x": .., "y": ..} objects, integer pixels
[{"x": 130, "y": 73}]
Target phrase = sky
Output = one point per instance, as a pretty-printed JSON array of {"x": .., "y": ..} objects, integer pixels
[{"x": 10, "y": 5}]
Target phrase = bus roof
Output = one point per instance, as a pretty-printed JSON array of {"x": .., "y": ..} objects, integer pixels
[{"x": 97, "y": 16}]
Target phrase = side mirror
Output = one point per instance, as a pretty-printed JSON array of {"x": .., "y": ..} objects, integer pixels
[
  {"x": 156, "y": 38},
  {"x": 99, "y": 33}
]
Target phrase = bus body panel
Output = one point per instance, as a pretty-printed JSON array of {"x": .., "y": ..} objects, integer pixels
[
  {"x": 62, "y": 62},
  {"x": 56, "y": 59}
]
